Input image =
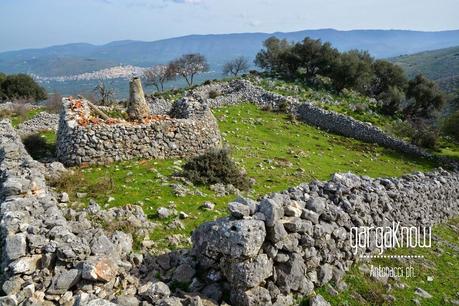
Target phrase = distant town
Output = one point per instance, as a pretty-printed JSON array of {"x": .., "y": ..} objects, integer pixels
[{"x": 117, "y": 72}]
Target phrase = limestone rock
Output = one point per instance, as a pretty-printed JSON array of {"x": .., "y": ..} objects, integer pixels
[{"x": 235, "y": 239}]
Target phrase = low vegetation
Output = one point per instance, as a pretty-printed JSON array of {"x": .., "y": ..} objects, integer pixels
[
  {"x": 215, "y": 167},
  {"x": 320, "y": 65},
  {"x": 418, "y": 131}
]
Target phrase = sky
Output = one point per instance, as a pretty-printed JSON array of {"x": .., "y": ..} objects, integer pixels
[{"x": 41, "y": 23}]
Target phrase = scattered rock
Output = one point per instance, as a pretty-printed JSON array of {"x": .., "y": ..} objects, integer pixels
[{"x": 422, "y": 293}]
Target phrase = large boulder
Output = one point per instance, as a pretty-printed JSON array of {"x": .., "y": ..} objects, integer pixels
[{"x": 230, "y": 238}]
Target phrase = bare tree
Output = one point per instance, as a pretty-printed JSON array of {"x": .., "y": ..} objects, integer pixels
[
  {"x": 189, "y": 65},
  {"x": 235, "y": 66},
  {"x": 105, "y": 94},
  {"x": 158, "y": 75}
]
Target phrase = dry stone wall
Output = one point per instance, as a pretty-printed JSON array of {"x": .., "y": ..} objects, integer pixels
[
  {"x": 40, "y": 123},
  {"x": 51, "y": 254},
  {"x": 241, "y": 91},
  {"x": 190, "y": 130},
  {"x": 293, "y": 241}
]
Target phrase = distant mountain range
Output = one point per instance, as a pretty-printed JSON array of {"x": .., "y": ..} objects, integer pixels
[
  {"x": 439, "y": 65},
  {"x": 72, "y": 59}
]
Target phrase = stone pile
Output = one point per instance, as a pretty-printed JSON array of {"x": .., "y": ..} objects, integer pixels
[
  {"x": 42, "y": 122},
  {"x": 190, "y": 130}
]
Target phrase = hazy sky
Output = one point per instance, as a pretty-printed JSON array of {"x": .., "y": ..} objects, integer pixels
[{"x": 39, "y": 23}]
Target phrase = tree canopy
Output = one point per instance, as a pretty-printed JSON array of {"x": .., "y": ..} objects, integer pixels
[{"x": 20, "y": 86}]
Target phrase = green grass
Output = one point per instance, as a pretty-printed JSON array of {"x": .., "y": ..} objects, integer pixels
[
  {"x": 449, "y": 148},
  {"x": 441, "y": 262},
  {"x": 275, "y": 151},
  {"x": 17, "y": 119}
]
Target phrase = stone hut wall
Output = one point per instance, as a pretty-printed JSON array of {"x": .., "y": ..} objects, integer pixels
[{"x": 166, "y": 137}]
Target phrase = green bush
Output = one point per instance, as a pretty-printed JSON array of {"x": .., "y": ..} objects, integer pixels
[
  {"x": 419, "y": 132},
  {"x": 451, "y": 126},
  {"x": 425, "y": 134},
  {"x": 21, "y": 86},
  {"x": 426, "y": 98},
  {"x": 38, "y": 147},
  {"x": 215, "y": 166}
]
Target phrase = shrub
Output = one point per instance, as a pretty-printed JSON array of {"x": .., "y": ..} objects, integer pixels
[
  {"x": 360, "y": 108},
  {"x": 426, "y": 96},
  {"x": 38, "y": 147},
  {"x": 391, "y": 100},
  {"x": 419, "y": 132},
  {"x": 425, "y": 134},
  {"x": 215, "y": 166},
  {"x": 451, "y": 126},
  {"x": 21, "y": 86},
  {"x": 20, "y": 110}
]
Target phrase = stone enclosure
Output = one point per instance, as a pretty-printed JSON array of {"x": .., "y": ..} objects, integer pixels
[
  {"x": 265, "y": 252},
  {"x": 188, "y": 129}
]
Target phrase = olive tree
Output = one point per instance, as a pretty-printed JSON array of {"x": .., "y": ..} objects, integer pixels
[{"x": 426, "y": 97}]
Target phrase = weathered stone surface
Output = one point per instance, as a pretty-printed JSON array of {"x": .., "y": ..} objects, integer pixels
[
  {"x": 102, "y": 245},
  {"x": 64, "y": 281},
  {"x": 235, "y": 239},
  {"x": 317, "y": 205},
  {"x": 272, "y": 211},
  {"x": 25, "y": 265},
  {"x": 238, "y": 210},
  {"x": 249, "y": 273},
  {"x": 252, "y": 297},
  {"x": 137, "y": 105},
  {"x": 15, "y": 246},
  {"x": 100, "y": 302},
  {"x": 318, "y": 300},
  {"x": 127, "y": 300},
  {"x": 154, "y": 291},
  {"x": 184, "y": 273},
  {"x": 101, "y": 269},
  {"x": 291, "y": 276}
]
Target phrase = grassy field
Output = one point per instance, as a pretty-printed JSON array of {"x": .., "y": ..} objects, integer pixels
[
  {"x": 437, "y": 273},
  {"x": 277, "y": 152}
]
